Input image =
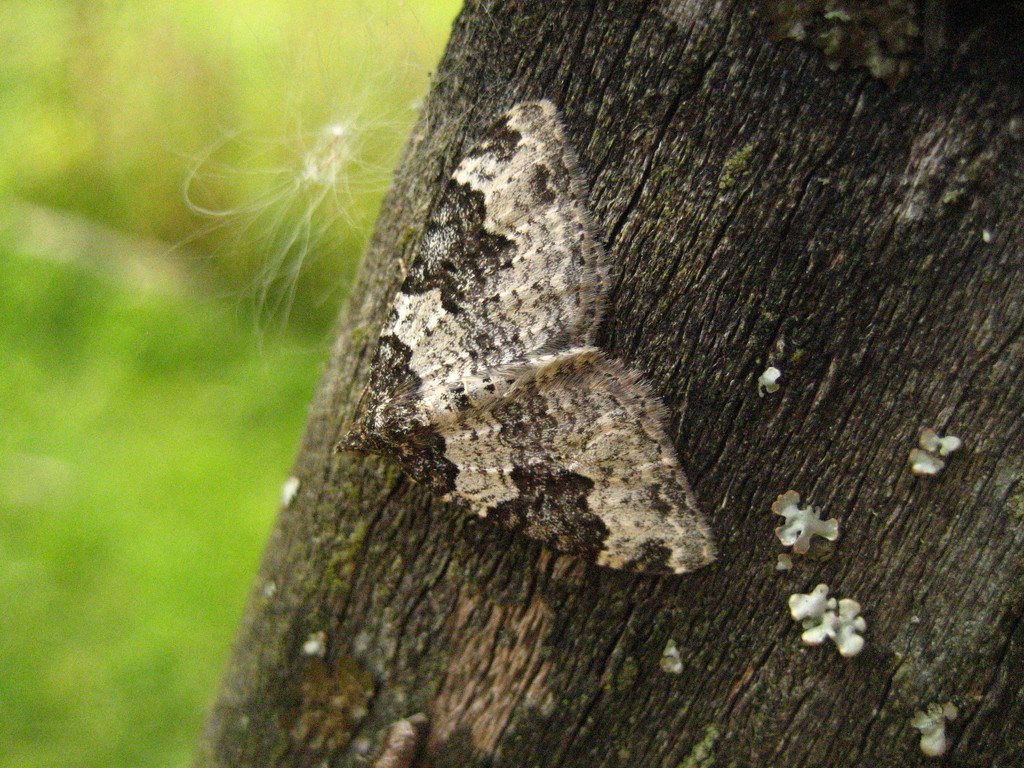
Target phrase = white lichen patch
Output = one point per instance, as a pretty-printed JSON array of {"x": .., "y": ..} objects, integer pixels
[
  {"x": 931, "y": 442},
  {"x": 928, "y": 459},
  {"x": 801, "y": 524},
  {"x": 824, "y": 617},
  {"x": 924, "y": 464},
  {"x": 670, "y": 659},
  {"x": 813, "y": 604},
  {"x": 289, "y": 490},
  {"x": 932, "y": 724},
  {"x": 784, "y": 562},
  {"x": 987, "y": 236},
  {"x": 768, "y": 381},
  {"x": 316, "y": 644}
]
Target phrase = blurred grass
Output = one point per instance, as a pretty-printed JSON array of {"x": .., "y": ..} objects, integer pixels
[
  {"x": 148, "y": 417},
  {"x": 143, "y": 448}
]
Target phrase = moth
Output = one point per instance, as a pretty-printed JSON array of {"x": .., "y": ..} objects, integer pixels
[{"x": 487, "y": 386}]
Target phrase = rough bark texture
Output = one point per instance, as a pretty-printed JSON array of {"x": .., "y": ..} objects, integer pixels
[{"x": 759, "y": 209}]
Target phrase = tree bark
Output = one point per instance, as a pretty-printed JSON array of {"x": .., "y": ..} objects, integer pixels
[{"x": 758, "y": 208}]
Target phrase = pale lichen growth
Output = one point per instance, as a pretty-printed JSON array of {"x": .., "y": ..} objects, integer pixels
[
  {"x": 703, "y": 753},
  {"x": 924, "y": 464},
  {"x": 925, "y": 461},
  {"x": 403, "y": 742},
  {"x": 316, "y": 644},
  {"x": 930, "y": 441},
  {"x": 289, "y": 490},
  {"x": 670, "y": 659},
  {"x": 932, "y": 724},
  {"x": 879, "y": 35},
  {"x": 823, "y": 617},
  {"x": 768, "y": 381},
  {"x": 801, "y": 524},
  {"x": 810, "y": 605},
  {"x": 987, "y": 236},
  {"x": 784, "y": 562},
  {"x": 735, "y": 167}
]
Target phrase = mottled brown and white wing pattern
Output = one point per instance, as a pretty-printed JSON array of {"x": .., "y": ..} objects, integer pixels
[{"x": 486, "y": 384}]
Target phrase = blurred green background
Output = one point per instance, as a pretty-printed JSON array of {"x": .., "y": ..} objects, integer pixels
[{"x": 185, "y": 191}]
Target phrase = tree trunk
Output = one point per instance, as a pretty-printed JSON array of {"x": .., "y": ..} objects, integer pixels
[{"x": 759, "y": 209}]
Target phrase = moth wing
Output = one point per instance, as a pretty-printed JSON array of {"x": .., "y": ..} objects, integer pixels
[
  {"x": 576, "y": 455},
  {"x": 509, "y": 264}
]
